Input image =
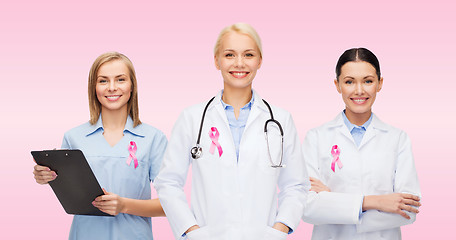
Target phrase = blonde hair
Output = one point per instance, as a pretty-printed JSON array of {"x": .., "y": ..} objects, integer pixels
[
  {"x": 243, "y": 28},
  {"x": 95, "y": 105}
]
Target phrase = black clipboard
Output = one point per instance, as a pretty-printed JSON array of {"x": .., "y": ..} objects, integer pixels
[{"x": 75, "y": 186}]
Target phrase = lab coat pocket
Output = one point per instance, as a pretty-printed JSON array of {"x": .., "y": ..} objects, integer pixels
[
  {"x": 199, "y": 234},
  {"x": 274, "y": 234},
  {"x": 266, "y": 167}
]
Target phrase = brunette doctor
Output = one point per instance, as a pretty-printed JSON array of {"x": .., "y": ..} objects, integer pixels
[
  {"x": 235, "y": 169},
  {"x": 363, "y": 179}
]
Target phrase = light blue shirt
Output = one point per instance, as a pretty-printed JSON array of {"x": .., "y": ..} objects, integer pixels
[
  {"x": 357, "y": 133},
  {"x": 109, "y": 164},
  {"x": 237, "y": 126}
]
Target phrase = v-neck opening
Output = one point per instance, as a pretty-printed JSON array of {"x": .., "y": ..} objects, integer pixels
[{"x": 117, "y": 143}]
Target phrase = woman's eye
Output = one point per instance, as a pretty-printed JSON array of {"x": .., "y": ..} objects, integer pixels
[
  {"x": 102, "y": 81},
  {"x": 348, "y": 82},
  {"x": 249, "y": 55},
  {"x": 369, "y": 81},
  {"x": 121, "y": 79},
  {"x": 229, "y": 55}
]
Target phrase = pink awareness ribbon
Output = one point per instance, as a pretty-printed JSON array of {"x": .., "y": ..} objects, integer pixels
[
  {"x": 215, "y": 143},
  {"x": 132, "y": 150},
  {"x": 335, "y": 152}
]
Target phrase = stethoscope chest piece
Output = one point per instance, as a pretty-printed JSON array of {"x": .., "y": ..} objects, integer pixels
[{"x": 196, "y": 152}]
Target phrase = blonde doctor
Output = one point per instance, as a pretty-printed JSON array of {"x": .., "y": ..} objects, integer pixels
[
  {"x": 363, "y": 179},
  {"x": 235, "y": 170}
]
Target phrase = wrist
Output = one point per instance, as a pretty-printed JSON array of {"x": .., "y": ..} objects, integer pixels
[
  {"x": 194, "y": 227},
  {"x": 123, "y": 205},
  {"x": 370, "y": 202},
  {"x": 281, "y": 227}
]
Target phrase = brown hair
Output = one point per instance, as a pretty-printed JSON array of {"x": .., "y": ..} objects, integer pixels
[
  {"x": 357, "y": 55},
  {"x": 95, "y": 105}
]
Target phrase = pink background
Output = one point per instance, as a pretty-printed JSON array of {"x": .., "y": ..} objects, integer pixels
[{"x": 47, "y": 48}]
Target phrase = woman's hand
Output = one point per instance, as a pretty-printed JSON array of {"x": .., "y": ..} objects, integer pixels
[
  {"x": 192, "y": 228},
  {"x": 317, "y": 186},
  {"x": 281, "y": 227},
  {"x": 43, "y": 174},
  {"x": 109, "y": 203},
  {"x": 393, "y": 203}
]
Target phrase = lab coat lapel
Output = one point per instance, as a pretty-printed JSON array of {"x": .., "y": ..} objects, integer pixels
[
  {"x": 258, "y": 107},
  {"x": 371, "y": 131},
  {"x": 338, "y": 123},
  {"x": 223, "y": 120},
  {"x": 222, "y": 114},
  {"x": 217, "y": 104}
]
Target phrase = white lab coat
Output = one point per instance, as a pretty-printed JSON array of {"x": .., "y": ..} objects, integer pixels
[
  {"x": 232, "y": 199},
  {"x": 382, "y": 164}
]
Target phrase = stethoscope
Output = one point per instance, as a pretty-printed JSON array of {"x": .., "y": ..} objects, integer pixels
[{"x": 197, "y": 151}]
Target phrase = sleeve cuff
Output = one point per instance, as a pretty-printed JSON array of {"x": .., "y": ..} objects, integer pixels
[{"x": 361, "y": 207}]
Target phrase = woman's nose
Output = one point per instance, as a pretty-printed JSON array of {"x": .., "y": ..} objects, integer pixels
[
  {"x": 359, "y": 89},
  {"x": 239, "y": 62},
  {"x": 112, "y": 86}
]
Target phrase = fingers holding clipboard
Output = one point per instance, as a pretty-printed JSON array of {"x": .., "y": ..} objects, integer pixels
[{"x": 76, "y": 186}]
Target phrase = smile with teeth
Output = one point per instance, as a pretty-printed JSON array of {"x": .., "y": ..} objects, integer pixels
[
  {"x": 113, "y": 97},
  {"x": 359, "y": 100},
  {"x": 239, "y": 74}
]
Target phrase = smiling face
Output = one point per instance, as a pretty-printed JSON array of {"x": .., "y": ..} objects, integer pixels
[
  {"x": 113, "y": 87},
  {"x": 358, "y": 83},
  {"x": 238, "y": 59}
]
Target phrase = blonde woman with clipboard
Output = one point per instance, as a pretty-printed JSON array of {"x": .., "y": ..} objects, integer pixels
[{"x": 124, "y": 154}]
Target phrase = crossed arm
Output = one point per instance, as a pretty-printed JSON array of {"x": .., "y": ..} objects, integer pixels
[{"x": 397, "y": 203}]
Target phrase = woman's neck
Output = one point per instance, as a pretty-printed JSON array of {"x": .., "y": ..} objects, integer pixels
[
  {"x": 237, "y": 98},
  {"x": 114, "y": 120},
  {"x": 357, "y": 118}
]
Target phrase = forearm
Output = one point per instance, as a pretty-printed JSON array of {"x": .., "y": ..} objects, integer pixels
[
  {"x": 143, "y": 208},
  {"x": 374, "y": 220},
  {"x": 332, "y": 208},
  {"x": 388, "y": 211},
  {"x": 290, "y": 209},
  {"x": 293, "y": 183},
  {"x": 393, "y": 203}
]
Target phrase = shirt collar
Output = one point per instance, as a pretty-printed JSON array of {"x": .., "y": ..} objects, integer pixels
[
  {"x": 248, "y": 105},
  {"x": 350, "y": 125},
  {"x": 128, "y": 127},
  {"x": 94, "y": 128},
  {"x": 133, "y": 130}
]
